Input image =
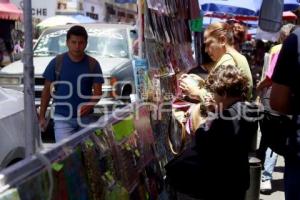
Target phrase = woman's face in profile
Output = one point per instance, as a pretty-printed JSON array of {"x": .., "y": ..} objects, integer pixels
[{"x": 213, "y": 47}]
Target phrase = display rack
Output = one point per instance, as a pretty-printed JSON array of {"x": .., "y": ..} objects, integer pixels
[
  {"x": 169, "y": 27},
  {"x": 110, "y": 159}
]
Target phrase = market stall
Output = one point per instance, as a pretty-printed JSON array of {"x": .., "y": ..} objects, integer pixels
[
  {"x": 9, "y": 11},
  {"x": 111, "y": 159},
  {"x": 9, "y": 14},
  {"x": 123, "y": 155}
]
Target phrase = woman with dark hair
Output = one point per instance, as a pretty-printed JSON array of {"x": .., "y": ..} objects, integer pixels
[{"x": 239, "y": 33}]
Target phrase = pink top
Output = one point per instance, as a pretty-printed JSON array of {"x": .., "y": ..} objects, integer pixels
[{"x": 272, "y": 65}]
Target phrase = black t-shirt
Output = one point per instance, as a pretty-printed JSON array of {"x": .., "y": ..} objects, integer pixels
[
  {"x": 287, "y": 72},
  {"x": 287, "y": 69}
]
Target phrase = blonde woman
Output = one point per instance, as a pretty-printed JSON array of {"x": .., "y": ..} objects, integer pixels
[{"x": 218, "y": 41}]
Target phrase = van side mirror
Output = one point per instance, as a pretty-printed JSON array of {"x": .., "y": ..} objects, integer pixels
[{"x": 270, "y": 16}]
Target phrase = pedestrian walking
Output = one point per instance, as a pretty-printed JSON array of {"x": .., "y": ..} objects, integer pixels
[
  {"x": 74, "y": 80},
  {"x": 285, "y": 98}
]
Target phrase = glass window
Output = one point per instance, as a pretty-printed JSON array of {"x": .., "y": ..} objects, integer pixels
[{"x": 112, "y": 43}]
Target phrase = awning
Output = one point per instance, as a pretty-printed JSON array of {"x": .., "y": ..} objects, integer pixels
[{"x": 9, "y": 11}]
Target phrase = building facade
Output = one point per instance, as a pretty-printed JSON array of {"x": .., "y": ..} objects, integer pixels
[{"x": 100, "y": 10}]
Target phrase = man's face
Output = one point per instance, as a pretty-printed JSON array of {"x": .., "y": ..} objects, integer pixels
[
  {"x": 76, "y": 45},
  {"x": 213, "y": 47}
]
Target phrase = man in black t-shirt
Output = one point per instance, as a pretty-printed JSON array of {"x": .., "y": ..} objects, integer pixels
[{"x": 285, "y": 98}]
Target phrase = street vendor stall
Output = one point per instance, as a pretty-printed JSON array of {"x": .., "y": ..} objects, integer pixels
[{"x": 9, "y": 13}]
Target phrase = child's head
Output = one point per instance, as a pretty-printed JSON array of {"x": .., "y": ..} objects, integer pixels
[{"x": 227, "y": 81}]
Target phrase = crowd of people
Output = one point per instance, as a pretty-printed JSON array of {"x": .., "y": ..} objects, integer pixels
[
  {"x": 215, "y": 165},
  {"x": 222, "y": 136},
  {"x": 11, "y": 45}
]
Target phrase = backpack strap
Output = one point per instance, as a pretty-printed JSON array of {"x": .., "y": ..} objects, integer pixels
[
  {"x": 92, "y": 64},
  {"x": 58, "y": 65}
]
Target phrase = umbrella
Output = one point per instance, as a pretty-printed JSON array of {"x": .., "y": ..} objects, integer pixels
[
  {"x": 290, "y": 5},
  {"x": 235, "y": 7},
  {"x": 286, "y": 15},
  {"x": 64, "y": 19},
  {"x": 238, "y": 8}
]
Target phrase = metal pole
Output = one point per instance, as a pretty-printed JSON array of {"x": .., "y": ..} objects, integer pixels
[
  {"x": 140, "y": 26},
  {"x": 29, "y": 107}
]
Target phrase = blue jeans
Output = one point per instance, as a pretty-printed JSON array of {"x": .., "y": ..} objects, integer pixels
[
  {"x": 269, "y": 165},
  {"x": 292, "y": 180},
  {"x": 65, "y": 127}
]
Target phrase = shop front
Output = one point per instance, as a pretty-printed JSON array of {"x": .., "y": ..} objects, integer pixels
[{"x": 9, "y": 14}]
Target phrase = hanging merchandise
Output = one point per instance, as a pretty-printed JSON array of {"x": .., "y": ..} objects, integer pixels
[
  {"x": 188, "y": 61},
  {"x": 106, "y": 163},
  {"x": 126, "y": 152},
  {"x": 11, "y": 194},
  {"x": 196, "y": 21},
  {"x": 168, "y": 89},
  {"x": 153, "y": 179},
  {"x": 143, "y": 127},
  {"x": 168, "y": 46},
  {"x": 125, "y": 1},
  {"x": 168, "y": 42},
  {"x": 38, "y": 185},
  {"x": 116, "y": 162},
  {"x": 60, "y": 191},
  {"x": 102, "y": 142},
  {"x": 140, "y": 68},
  {"x": 117, "y": 192},
  {"x": 158, "y": 5},
  {"x": 91, "y": 165},
  {"x": 155, "y": 82},
  {"x": 197, "y": 24},
  {"x": 75, "y": 176}
]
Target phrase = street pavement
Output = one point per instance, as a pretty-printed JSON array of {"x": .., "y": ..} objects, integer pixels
[{"x": 277, "y": 182}]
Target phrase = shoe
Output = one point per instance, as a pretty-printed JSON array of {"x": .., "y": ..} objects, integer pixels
[{"x": 266, "y": 187}]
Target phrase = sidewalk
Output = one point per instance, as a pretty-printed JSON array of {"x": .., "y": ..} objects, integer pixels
[{"x": 277, "y": 183}]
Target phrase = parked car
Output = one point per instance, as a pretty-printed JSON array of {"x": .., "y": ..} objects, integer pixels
[
  {"x": 12, "y": 123},
  {"x": 110, "y": 44}
]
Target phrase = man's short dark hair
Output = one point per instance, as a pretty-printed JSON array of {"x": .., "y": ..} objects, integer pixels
[{"x": 77, "y": 31}]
